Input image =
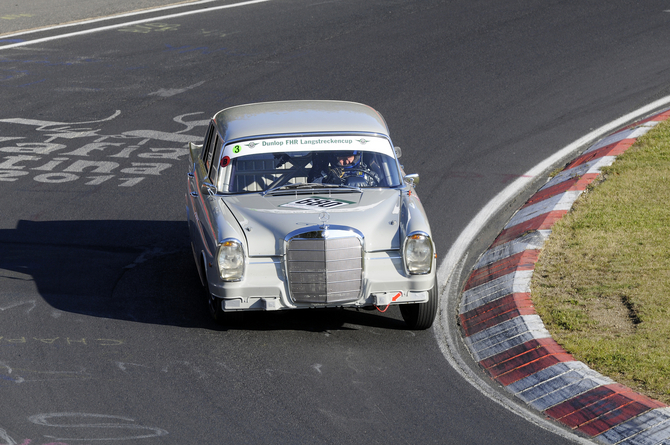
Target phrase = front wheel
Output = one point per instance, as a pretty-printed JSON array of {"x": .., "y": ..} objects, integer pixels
[
  {"x": 217, "y": 313},
  {"x": 421, "y": 315},
  {"x": 214, "y": 306}
]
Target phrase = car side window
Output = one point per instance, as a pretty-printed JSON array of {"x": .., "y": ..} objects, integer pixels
[
  {"x": 208, "y": 153},
  {"x": 218, "y": 143}
]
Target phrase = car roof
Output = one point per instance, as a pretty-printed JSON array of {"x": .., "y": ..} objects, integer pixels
[{"x": 298, "y": 117}]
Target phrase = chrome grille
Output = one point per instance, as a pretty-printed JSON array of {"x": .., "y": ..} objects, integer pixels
[{"x": 324, "y": 267}]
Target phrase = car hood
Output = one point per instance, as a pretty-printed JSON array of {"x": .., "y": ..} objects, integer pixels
[{"x": 267, "y": 220}]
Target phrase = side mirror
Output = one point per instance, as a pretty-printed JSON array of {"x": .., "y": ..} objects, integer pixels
[
  {"x": 398, "y": 152},
  {"x": 210, "y": 188},
  {"x": 412, "y": 179}
]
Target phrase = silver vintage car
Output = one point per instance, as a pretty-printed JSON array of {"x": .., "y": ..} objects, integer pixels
[{"x": 303, "y": 204}]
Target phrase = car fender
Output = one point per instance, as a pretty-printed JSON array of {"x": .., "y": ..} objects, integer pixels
[
  {"x": 412, "y": 215},
  {"x": 227, "y": 225},
  {"x": 195, "y": 150}
]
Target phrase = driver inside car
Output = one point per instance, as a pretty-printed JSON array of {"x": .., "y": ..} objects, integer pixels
[
  {"x": 348, "y": 168},
  {"x": 345, "y": 160}
]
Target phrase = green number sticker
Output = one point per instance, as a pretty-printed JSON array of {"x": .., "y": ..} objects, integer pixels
[{"x": 236, "y": 149}]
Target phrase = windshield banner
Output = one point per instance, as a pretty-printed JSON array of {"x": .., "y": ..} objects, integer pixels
[{"x": 321, "y": 143}]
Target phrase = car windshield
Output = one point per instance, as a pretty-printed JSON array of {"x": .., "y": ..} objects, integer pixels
[{"x": 270, "y": 171}]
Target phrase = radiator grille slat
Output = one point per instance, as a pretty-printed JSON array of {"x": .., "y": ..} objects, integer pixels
[{"x": 324, "y": 270}]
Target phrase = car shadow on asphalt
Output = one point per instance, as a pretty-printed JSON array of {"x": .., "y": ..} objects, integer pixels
[{"x": 141, "y": 271}]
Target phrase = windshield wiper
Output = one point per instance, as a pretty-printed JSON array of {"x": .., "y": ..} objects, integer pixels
[{"x": 308, "y": 185}]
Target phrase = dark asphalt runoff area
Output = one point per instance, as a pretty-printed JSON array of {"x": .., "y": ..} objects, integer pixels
[{"x": 104, "y": 333}]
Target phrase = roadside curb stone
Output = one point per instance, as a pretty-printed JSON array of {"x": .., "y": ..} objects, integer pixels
[{"x": 508, "y": 339}]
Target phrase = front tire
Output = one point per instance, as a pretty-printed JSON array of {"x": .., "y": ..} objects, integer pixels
[
  {"x": 420, "y": 316},
  {"x": 214, "y": 306},
  {"x": 217, "y": 313}
]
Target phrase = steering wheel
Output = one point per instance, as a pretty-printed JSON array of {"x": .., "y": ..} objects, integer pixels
[{"x": 366, "y": 175}]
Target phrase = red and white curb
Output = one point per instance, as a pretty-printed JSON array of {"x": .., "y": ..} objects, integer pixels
[{"x": 508, "y": 339}]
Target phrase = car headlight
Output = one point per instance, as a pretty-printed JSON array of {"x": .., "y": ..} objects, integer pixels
[
  {"x": 418, "y": 253},
  {"x": 230, "y": 259}
]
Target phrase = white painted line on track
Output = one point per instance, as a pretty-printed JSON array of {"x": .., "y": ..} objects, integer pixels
[
  {"x": 445, "y": 329},
  {"x": 122, "y": 25},
  {"x": 102, "y": 19}
]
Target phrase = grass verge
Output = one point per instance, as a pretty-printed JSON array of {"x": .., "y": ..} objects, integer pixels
[{"x": 602, "y": 284}]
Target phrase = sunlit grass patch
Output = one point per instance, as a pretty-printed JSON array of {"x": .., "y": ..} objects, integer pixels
[{"x": 602, "y": 285}]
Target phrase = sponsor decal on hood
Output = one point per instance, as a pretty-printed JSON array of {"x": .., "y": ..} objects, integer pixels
[{"x": 317, "y": 202}]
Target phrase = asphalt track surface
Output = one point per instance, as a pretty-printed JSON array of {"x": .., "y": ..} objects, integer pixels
[{"x": 103, "y": 331}]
